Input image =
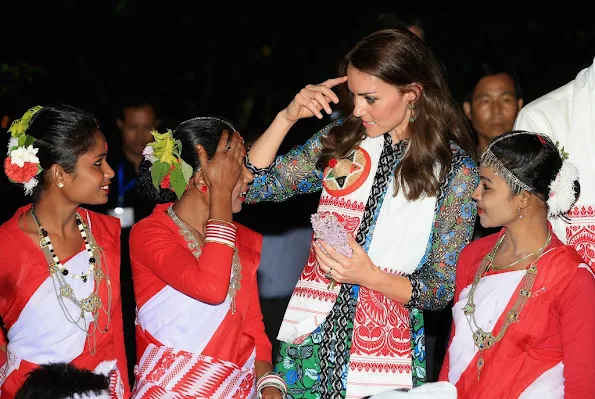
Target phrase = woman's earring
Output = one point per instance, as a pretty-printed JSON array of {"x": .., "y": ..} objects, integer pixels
[
  {"x": 202, "y": 188},
  {"x": 521, "y": 216},
  {"x": 412, "y": 116},
  {"x": 60, "y": 185}
]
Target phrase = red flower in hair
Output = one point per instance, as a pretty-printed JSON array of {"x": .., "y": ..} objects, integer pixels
[
  {"x": 17, "y": 174},
  {"x": 166, "y": 182},
  {"x": 332, "y": 163}
]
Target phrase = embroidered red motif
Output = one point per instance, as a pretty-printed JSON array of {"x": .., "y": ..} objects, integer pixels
[
  {"x": 164, "y": 362},
  {"x": 245, "y": 388},
  {"x": 386, "y": 367},
  {"x": 583, "y": 211},
  {"x": 314, "y": 293},
  {"x": 581, "y": 232},
  {"x": 347, "y": 174},
  {"x": 381, "y": 326},
  {"x": 583, "y": 239},
  {"x": 326, "y": 201}
]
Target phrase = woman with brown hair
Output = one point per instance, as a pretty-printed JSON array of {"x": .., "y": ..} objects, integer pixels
[{"x": 398, "y": 173}]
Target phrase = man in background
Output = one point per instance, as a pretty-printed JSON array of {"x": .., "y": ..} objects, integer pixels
[
  {"x": 136, "y": 120},
  {"x": 492, "y": 103}
]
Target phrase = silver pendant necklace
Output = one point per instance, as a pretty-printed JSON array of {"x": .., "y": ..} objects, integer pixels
[{"x": 58, "y": 272}]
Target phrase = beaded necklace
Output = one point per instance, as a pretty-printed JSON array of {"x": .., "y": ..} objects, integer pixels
[
  {"x": 236, "y": 268},
  {"x": 484, "y": 340},
  {"x": 91, "y": 304}
]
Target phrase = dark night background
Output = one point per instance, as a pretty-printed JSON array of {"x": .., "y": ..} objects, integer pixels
[{"x": 247, "y": 66}]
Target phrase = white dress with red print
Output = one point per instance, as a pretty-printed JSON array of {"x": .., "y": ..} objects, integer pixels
[
  {"x": 567, "y": 115},
  {"x": 187, "y": 347}
]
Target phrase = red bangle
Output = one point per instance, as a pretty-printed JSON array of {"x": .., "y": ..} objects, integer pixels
[
  {"x": 221, "y": 232},
  {"x": 222, "y": 222}
]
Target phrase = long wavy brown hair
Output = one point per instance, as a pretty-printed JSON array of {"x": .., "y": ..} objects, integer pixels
[{"x": 400, "y": 58}]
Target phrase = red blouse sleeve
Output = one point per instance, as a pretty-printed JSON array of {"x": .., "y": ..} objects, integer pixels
[
  {"x": 254, "y": 327},
  {"x": 157, "y": 248},
  {"x": 577, "y": 324}
]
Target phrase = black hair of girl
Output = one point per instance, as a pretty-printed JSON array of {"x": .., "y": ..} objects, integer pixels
[
  {"x": 205, "y": 131},
  {"x": 62, "y": 380},
  {"x": 63, "y": 133},
  {"x": 533, "y": 159}
]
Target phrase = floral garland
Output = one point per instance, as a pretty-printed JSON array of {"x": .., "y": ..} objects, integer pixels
[
  {"x": 168, "y": 171},
  {"x": 562, "y": 195},
  {"x": 22, "y": 164}
]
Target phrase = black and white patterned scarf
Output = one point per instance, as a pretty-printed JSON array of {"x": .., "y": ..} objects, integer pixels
[{"x": 337, "y": 329}]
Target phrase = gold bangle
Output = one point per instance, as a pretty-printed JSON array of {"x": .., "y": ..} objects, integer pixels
[{"x": 219, "y": 242}]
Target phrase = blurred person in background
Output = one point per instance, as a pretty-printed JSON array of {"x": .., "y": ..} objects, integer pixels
[{"x": 492, "y": 102}]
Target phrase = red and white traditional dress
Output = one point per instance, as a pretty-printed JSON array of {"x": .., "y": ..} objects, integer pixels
[
  {"x": 549, "y": 352},
  {"x": 187, "y": 347},
  {"x": 35, "y": 326},
  {"x": 567, "y": 115}
]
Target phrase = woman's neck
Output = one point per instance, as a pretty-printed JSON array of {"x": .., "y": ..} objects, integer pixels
[
  {"x": 56, "y": 216},
  {"x": 193, "y": 212},
  {"x": 397, "y": 135},
  {"x": 526, "y": 236}
]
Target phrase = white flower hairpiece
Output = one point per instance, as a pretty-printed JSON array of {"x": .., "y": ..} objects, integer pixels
[
  {"x": 149, "y": 154},
  {"x": 30, "y": 185},
  {"x": 20, "y": 155},
  {"x": 22, "y": 164},
  {"x": 562, "y": 195}
]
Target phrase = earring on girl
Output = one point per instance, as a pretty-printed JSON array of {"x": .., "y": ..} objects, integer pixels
[
  {"x": 202, "y": 188},
  {"x": 412, "y": 116},
  {"x": 60, "y": 185}
]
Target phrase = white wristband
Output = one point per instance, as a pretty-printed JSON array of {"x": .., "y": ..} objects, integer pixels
[{"x": 271, "y": 379}]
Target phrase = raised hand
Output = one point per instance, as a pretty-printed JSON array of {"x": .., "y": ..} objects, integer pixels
[
  {"x": 312, "y": 99},
  {"x": 223, "y": 171}
]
